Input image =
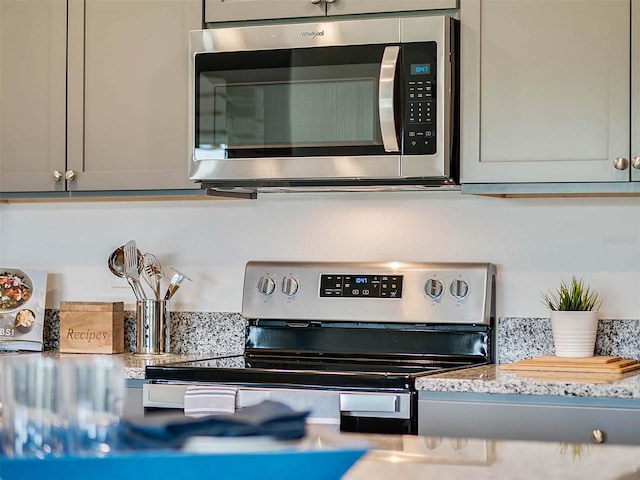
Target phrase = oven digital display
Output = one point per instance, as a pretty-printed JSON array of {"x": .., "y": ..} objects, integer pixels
[{"x": 361, "y": 286}]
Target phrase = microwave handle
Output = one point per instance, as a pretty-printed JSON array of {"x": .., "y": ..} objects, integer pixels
[{"x": 385, "y": 98}]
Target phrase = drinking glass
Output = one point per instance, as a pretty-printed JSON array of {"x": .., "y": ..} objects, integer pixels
[
  {"x": 36, "y": 407},
  {"x": 98, "y": 391}
]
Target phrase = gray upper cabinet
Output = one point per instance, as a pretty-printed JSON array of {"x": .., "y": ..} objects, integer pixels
[
  {"x": 95, "y": 95},
  {"x": 545, "y": 91},
  {"x": 32, "y": 93},
  {"x": 128, "y": 93},
  {"x": 239, "y": 10}
]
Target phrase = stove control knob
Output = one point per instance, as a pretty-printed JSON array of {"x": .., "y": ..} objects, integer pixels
[
  {"x": 459, "y": 289},
  {"x": 290, "y": 286},
  {"x": 433, "y": 288},
  {"x": 266, "y": 286}
]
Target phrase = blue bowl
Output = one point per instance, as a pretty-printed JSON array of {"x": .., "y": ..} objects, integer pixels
[{"x": 321, "y": 464}]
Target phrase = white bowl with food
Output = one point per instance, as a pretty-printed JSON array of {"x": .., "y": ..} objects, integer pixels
[
  {"x": 25, "y": 320},
  {"x": 16, "y": 289}
]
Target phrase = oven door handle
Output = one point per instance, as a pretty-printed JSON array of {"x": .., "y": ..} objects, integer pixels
[
  {"x": 386, "y": 89},
  {"x": 355, "y": 402}
]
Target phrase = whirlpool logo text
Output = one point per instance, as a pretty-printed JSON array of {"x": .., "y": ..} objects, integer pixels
[{"x": 316, "y": 33}]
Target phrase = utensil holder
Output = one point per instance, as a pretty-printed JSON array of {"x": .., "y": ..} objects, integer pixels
[{"x": 152, "y": 327}]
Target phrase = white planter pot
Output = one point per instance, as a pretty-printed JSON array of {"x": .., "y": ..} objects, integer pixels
[{"x": 574, "y": 333}]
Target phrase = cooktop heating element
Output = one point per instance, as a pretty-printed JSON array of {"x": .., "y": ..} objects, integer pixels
[{"x": 355, "y": 328}]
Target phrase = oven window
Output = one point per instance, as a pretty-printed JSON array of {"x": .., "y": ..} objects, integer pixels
[{"x": 321, "y": 101}]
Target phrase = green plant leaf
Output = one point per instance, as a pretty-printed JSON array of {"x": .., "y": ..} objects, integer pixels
[{"x": 574, "y": 297}]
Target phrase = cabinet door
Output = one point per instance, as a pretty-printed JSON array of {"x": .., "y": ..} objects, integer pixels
[
  {"x": 545, "y": 90},
  {"x": 635, "y": 90},
  {"x": 32, "y": 94},
  {"x": 348, "y": 7},
  {"x": 128, "y": 93},
  {"x": 449, "y": 417},
  {"x": 238, "y": 10}
]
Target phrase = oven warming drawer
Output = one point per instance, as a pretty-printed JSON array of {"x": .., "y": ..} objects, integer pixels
[{"x": 325, "y": 406}]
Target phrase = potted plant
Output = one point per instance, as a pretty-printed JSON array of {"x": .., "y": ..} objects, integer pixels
[{"x": 574, "y": 318}]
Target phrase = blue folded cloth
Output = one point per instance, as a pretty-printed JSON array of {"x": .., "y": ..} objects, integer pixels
[{"x": 267, "y": 418}]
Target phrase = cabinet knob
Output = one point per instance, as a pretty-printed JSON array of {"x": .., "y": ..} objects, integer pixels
[
  {"x": 329, "y": 1},
  {"x": 70, "y": 175},
  {"x": 315, "y": 2},
  {"x": 620, "y": 163},
  {"x": 635, "y": 162},
  {"x": 598, "y": 436},
  {"x": 56, "y": 175}
]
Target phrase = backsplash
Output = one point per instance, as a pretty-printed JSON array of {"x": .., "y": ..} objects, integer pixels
[
  {"x": 216, "y": 333},
  {"x": 521, "y": 338},
  {"x": 197, "y": 333}
]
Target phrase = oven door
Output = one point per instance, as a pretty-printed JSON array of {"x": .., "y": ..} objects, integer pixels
[
  {"x": 355, "y": 411},
  {"x": 317, "y": 101}
]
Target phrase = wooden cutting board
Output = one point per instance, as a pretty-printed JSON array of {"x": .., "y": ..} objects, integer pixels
[
  {"x": 597, "y": 364},
  {"x": 573, "y": 377}
]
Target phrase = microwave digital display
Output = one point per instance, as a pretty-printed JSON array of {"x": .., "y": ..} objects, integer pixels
[{"x": 420, "y": 69}]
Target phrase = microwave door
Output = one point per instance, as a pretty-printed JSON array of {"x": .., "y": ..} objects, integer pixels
[
  {"x": 324, "y": 112},
  {"x": 386, "y": 89}
]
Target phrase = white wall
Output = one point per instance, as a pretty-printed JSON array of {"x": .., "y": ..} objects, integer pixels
[{"x": 534, "y": 242}]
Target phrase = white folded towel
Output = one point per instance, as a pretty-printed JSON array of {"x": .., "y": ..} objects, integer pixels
[{"x": 202, "y": 400}]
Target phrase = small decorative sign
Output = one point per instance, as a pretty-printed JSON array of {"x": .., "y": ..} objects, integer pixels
[
  {"x": 22, "y": 304},
  {"x": 92, "y": 327}
]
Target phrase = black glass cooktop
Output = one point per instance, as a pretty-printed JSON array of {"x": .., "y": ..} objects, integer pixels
[
  {"x": 338, "y": 355},
  {"x": 330, "y": 372}
]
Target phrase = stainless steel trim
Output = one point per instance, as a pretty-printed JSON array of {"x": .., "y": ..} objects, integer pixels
[
  {"x": 385, "y": 98},
  {"x": 325, "y": 406},
  {"x": 171, "y": 395},
  {"x": 295, "y": 35},
  {"x": 438, "y": 29},
  {"x": 372, "y": 166}
]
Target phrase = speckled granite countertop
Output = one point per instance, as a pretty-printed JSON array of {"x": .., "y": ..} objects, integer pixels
[
  {"x": 134, "y": 365},
  {"x": 490, "y": 379}
]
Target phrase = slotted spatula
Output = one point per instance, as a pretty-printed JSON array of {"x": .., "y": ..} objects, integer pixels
[
  {"x": 131, "y": 271},
  {"x": 152, "y": 272}
]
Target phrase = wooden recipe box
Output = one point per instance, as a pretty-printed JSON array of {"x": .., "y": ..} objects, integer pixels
[{"x": 91, "y": 327}]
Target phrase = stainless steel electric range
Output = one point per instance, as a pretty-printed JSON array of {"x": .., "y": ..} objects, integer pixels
[{"x": 347, "y": 340}]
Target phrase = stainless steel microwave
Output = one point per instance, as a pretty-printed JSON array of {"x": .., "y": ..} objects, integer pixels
[{"x": 366, "y": 103}]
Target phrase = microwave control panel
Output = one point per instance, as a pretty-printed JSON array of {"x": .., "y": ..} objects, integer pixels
[{"x": 419, "y": 64}]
